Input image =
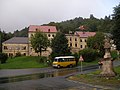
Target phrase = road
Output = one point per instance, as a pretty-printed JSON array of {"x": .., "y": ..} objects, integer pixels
[{"x": 45, "y": 79}]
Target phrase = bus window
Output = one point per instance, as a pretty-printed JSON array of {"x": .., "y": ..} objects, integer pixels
[{"x": 55, "y": 60}]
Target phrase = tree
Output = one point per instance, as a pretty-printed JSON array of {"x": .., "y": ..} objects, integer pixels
[
  {"x": 0, "y": 42},
  {"x": 21, "y": 33},
  {"x": 3, "y": 37},
  {"x": 39, "y": 42},
  {"x": 60, "y": 45},
  {"x": 116, "y": 29},
  {"x": 3, "y": 58},
  {"x": 96, "y": 42},
  {"x": 89, "y": 54}
]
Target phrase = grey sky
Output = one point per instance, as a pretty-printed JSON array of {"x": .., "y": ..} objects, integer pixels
[{"x": 17, "y": 14}]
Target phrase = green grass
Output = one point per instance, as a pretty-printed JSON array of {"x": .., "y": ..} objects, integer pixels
[
  {"x": 93, "y": 78},
  {"x": 88, "y": 63},
  {"x": 31, "y": 62},
  {"x": 23, "y": 62}
]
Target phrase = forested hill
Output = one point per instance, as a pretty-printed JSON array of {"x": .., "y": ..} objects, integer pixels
[
  {"x": 91, "y": 24},
  {"x": 21, "y": 33}
]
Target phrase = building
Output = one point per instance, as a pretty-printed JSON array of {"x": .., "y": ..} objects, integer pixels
[
  {"x": 23, "y": 45},
  {"x": 73, "y": 42},
  {"x": 50, "y": 31},
  {"x": 78, "y": 40},
  {"x": 16, "y": 45}
]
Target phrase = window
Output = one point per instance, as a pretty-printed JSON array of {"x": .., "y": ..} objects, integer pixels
[
  {"x": 48, "y": 30},
  {"x": 36, "y": 29},
  {"x": 53, "y": 35},
  {"x": 70, "y": 39},
  {"x": 80, "y": 40},
  {"x": 76, "y": 45},
  {"x": 24, "y": 54},
  {"x": 70, "y": 44},
  {"x": 81, "y": 46},
  {"x": 75, "y": 39},
  {"x": 5, "y": 47},
  {"x": 24, "y": 48},
  {"x": 85, "y": 40},
  {"x": 48, "y": 35},
  {"x": 31, "y": 48},
  {"x": 31, "y": 35}
]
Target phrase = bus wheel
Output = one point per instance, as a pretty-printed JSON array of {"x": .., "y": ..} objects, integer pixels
[
  {"x": 71, "y": 66},
  {"x": 58, "y": 66}
]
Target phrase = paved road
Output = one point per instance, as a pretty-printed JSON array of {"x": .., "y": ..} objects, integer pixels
[{"x": 50, "y": 83}]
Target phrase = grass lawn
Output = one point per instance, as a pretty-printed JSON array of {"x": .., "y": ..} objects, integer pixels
[
  {"x": 31, "y": 62},
  {"x": 93, "y": 78},
  {"x": 23, "y": 62},
  {"x": 88, "y": 63}
]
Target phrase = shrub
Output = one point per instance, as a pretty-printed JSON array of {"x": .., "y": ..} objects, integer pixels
[
  {"x": 3, "y": 58},
  {"x": 89, "y": 54},
  {"x": 114, "y": 54},
  {"x": 53, "y": 55},
  {"x": 42, "y": 59},
  {"x": 76, "y": 55}
]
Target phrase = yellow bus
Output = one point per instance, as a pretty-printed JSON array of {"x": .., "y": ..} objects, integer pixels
[{"x": 64, "y": 61}]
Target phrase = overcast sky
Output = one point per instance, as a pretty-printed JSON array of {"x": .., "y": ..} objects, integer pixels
[{"x": 17, "y": 14}]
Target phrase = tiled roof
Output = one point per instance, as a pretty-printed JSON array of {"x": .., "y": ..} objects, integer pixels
[
  {"x": 34, "y": 28},
  {"x": 17, "y": 40},
  {"x": 85, "y": 34}
]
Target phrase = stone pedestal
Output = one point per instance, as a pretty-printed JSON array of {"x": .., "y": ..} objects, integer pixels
[{"x": 107, "y": 67}]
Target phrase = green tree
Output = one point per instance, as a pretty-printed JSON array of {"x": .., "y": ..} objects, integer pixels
[
  {"x": 3, "y": 37},
  {"x": 60, "y": 45},
  {"x": 89, "y": 54},
  {"x": 39, "y": 42},
  {"x": 96, "y": 42},
  {"x": 0, "y": 42},
  {"x": 21, "y": 33},
  {"x": 116, "y": 29},
  {"x": 3, "y": 58}
]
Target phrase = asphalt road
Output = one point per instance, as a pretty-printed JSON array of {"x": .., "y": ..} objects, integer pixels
[{"x": 48, "y": 83}]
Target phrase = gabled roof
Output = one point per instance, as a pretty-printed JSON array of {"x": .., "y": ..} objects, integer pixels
[
  {"x": 85, "y": 34},
  {"x": 34, "y": 28},
  {"x": 17, "y": 40}
]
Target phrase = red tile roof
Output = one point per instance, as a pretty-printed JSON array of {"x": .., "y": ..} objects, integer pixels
[
  {"x": 34, "y": 28},
  {"x": 85, "y": 34}
]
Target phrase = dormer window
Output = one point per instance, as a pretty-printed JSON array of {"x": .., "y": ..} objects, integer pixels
[
  {"x": 48, "y": 30},
  {"x": 36, "y": 29}
]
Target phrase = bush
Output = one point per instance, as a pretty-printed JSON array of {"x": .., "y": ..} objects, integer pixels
[
  {"x": 114, "y": 54},
  {"x": 53, "y": 55},
  {"x": 89, "y": 55},
  {"x": 3, "y": 58},
  {"x": 42, "y": 59},
  {"x": 76, "y": 55}
]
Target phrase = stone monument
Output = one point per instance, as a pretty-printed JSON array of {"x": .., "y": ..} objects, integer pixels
[{"x": 107, "y": 61}]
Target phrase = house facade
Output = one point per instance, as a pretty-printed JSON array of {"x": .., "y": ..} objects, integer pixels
[
  {"x": 16, "y": 45},
  {"x": 78, "y": 40},
  {"x": 50, "y": 31}
]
